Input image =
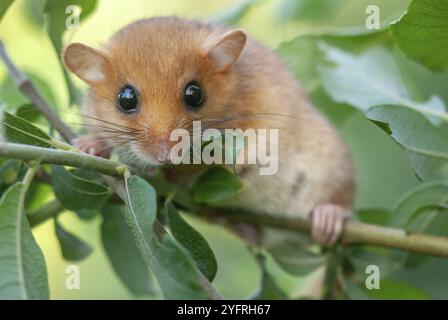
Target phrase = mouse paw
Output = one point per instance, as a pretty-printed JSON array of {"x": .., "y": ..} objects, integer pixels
[
  {"x": 326, "y": 223},
  {"x": 92, "y": 146}
]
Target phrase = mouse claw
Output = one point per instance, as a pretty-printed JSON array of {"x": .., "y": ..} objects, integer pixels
[
  {"x": 92, "y": 146},
  {"x": 326, "y": 223}
]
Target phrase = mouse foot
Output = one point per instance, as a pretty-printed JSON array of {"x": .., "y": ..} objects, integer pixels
[
  {"x": 92, "y": 146},
  {"x": 326, "y": 223}
]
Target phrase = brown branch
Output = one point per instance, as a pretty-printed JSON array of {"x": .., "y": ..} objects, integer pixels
[
  {"x": 353, "y": 233},
  {"x": 25, "y": 85}
]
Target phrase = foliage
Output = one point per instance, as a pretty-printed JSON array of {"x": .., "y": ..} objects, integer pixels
[
  {"x": 22, "y": 266},
  {"x": 370, "y": 77},
  {"x": 123, "y": 254},
  {"x": 424, "y": 23}
]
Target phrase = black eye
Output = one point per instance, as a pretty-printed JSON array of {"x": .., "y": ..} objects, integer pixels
[
  {"x": 193, "y": 96},
  {"x": 127, "y": 99}
]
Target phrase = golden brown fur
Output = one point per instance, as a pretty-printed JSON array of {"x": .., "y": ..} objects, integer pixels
[{"x": 160, "y": 55}]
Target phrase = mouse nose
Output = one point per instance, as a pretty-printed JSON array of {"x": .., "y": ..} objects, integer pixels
[{"x": 163, "y": 155}]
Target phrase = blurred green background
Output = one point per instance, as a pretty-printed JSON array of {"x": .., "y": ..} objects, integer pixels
[{"x": 378, "y": 159}]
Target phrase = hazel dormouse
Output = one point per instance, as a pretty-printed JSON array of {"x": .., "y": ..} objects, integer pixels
[{"x": 160, "y": 74}]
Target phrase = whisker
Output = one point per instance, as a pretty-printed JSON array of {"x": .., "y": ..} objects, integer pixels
[
  {"x": 261, "y": 114},
  {"x": 107, "y": 99},
  {"x": 129, "y": 140},
  {"x": 144, "y": 126},
  {"x": 117, "y": 141},
  {"x": 100, "y": 120},
  {"x": 109, "y": 129}
]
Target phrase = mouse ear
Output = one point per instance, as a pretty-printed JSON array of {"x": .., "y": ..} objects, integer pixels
[
  {"x": 87, "y": 63},
  {"x": 226, "y": 49}
]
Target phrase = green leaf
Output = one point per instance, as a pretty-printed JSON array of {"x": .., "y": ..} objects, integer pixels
[
  {"x": 362, "y": 257},
  {"x": 34, "y": 11},
  {"x": 75, "y": 192},
  {"x": 374, "y": 216},
  {"x": 22, "y": 265},
  {"x": 122, "y": 252},
  {"x": 372, "y": 78},
  {"x": 19, "y": 130},
  {"x": 235, "y": 13},
  {"x": 425, "y": 145},
  {"x": 9, "y": 171},
  {"x": 215, "y": 185},
  {"x": 72, "y": 248},
  {"x": 422, "y": 33},
  {"x": 354, "y": 290},
  {"x": 28, "y": 112},
  {"x": 193, "y": 241},
  {"x": 4, "y": 5},
  {"x": 269, "y": 289},
  {"x": 429, "y": 275},
  {"x": 56, "y": 17},
  {"x": 170, "y": 263},
  {"x": 295, "y": 259},
  {"x": 87, "y": 214},
  {"x": 432, "y": 194},
  {"x": 302, "y": 55},
  {"x": 391, "y": 289},
  {"x": 417, "y": 211}
]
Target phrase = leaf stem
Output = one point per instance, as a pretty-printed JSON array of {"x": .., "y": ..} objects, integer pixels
[
  {"x": 26, "y": 183},
  {"x": 30, "y": 175}
]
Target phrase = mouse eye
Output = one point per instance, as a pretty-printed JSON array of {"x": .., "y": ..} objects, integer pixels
[
  {"x": 127, "y": 99},
  {"x": 193, "y": 96}
]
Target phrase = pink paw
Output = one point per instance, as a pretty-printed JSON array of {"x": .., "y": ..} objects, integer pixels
[
  {"x": 326, "y": 223},
  {"x": 93, "y": 146}
]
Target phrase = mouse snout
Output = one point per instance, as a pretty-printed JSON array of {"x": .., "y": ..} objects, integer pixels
[{"x": 163, "y": 154}]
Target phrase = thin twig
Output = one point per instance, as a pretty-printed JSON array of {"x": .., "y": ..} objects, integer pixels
[{"x": 25, "y": 85}]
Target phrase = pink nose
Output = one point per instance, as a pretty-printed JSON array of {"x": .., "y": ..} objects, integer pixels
[{"x": 163, "y": 156}]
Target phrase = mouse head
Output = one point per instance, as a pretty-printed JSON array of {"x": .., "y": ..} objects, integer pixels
[{"x": 154, "y": 76}]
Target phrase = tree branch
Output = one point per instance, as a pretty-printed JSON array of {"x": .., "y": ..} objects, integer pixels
[
  {"x": 25, "y": 85},
  {"x": 60, "y": 157},
  {"x": 354, "y": 233}
]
